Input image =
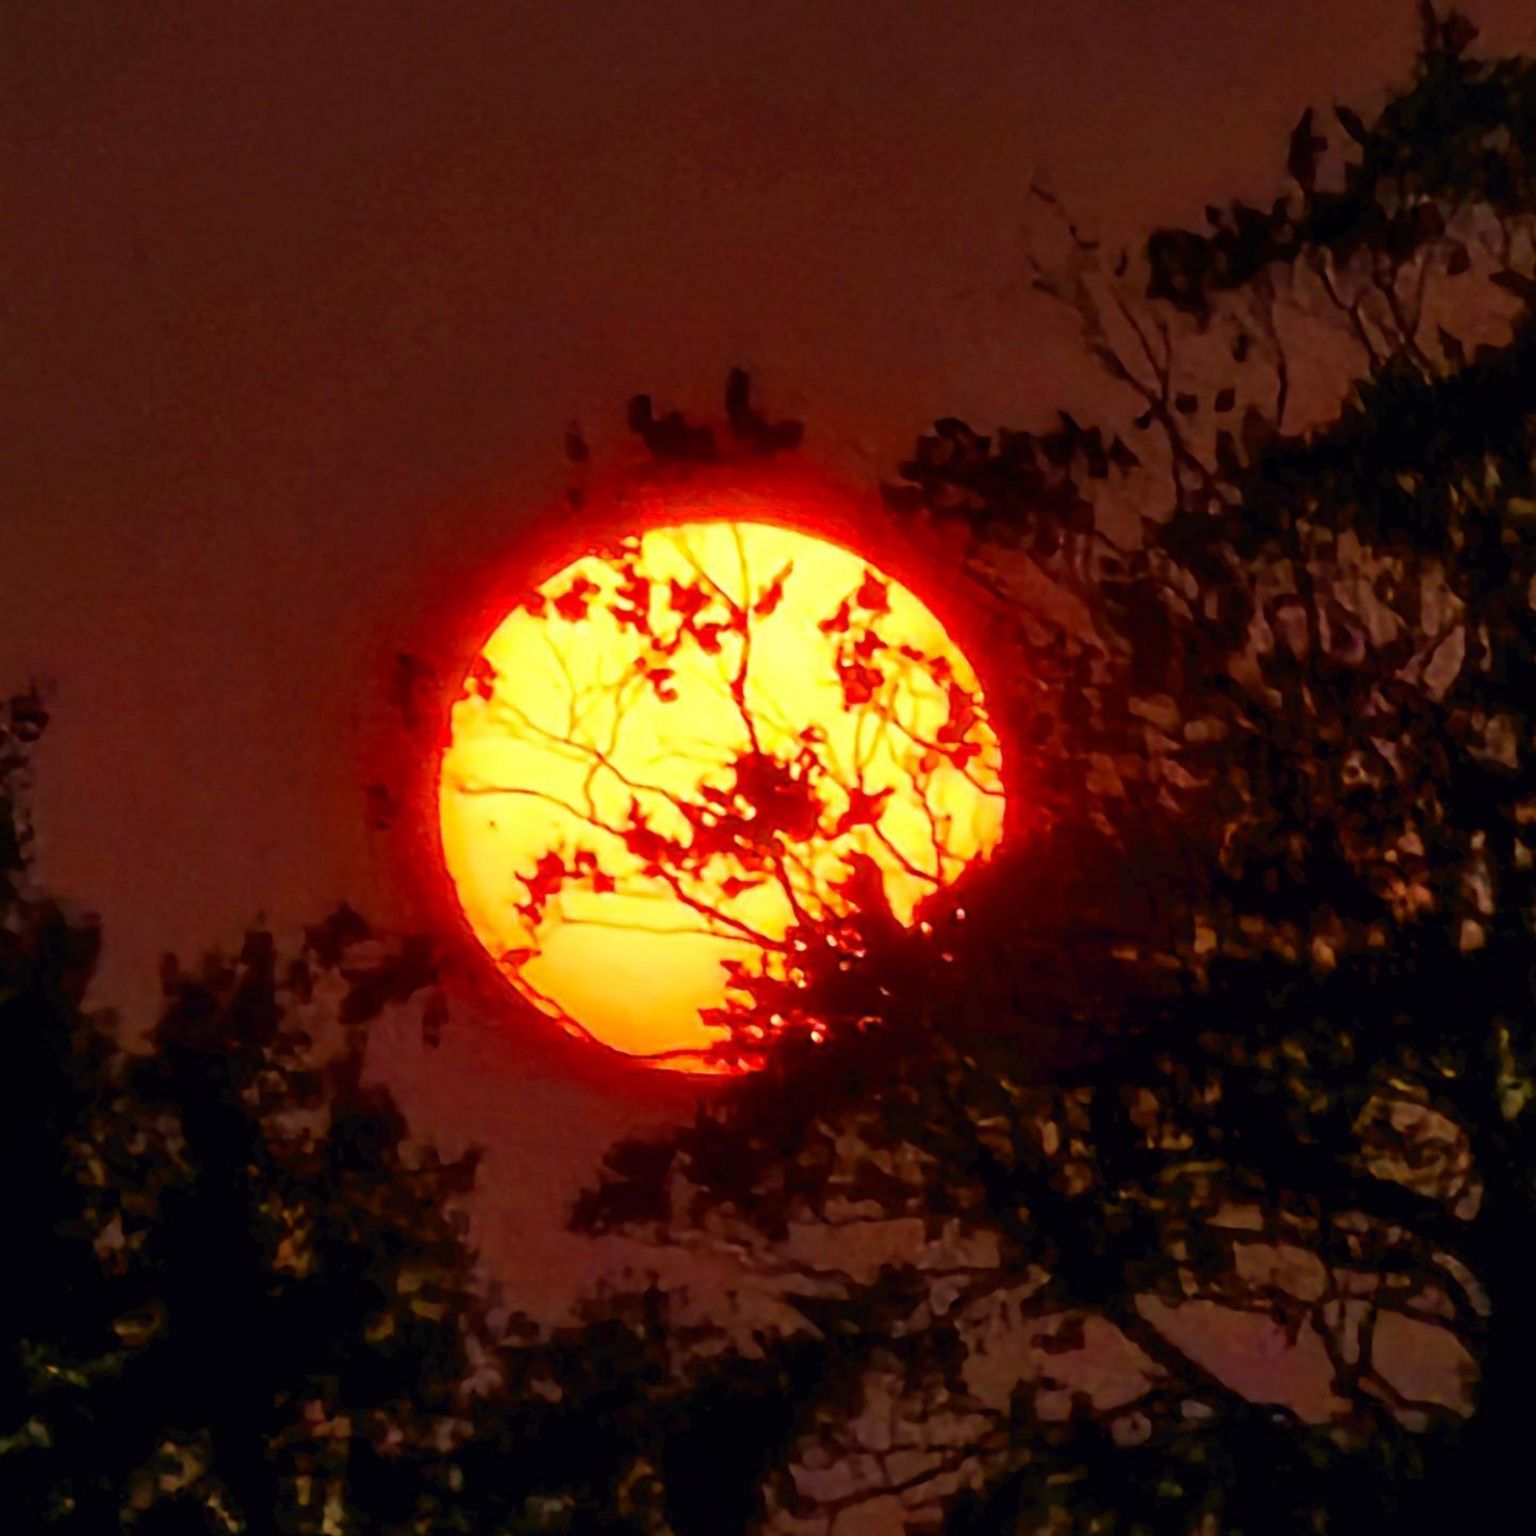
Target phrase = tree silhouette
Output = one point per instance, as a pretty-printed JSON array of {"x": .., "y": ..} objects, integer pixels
[
  {"x": 241, "y": 1297},
  {"x": 1232, "y": 1059}
]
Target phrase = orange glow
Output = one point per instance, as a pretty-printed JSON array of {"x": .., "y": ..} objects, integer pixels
[{"x": 625, "y": 731}]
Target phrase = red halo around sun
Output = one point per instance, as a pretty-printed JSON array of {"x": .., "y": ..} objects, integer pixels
[{"x": 666, "y": 737}]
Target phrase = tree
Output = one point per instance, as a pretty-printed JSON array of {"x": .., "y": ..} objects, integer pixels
[
  {"x": 1259, "y": 1050},
  {"x": 241, "y": 1296}
]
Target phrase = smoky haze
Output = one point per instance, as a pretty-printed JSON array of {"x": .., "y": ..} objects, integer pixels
[{"x": 298, "y": 300}]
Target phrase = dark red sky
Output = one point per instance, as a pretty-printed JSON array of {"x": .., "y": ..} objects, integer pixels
[{"x": 298, "y": 298}]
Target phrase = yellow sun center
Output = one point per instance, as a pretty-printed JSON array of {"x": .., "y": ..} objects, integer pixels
[{"x": 668, "y": 756}]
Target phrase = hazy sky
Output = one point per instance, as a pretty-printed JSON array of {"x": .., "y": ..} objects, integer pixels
[{"x": 298, "y": 298}]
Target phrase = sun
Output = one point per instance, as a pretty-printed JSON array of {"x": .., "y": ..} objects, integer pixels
[{"x": 668, "y": 754}]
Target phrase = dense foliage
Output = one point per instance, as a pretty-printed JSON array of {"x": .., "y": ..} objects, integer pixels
[
  {"x": 239, "y": 1296},
  {"x": 1177, "y": 1174}
]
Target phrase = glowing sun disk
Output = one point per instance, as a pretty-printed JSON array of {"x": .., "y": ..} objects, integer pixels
[{"x": 668, "y": 755}]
